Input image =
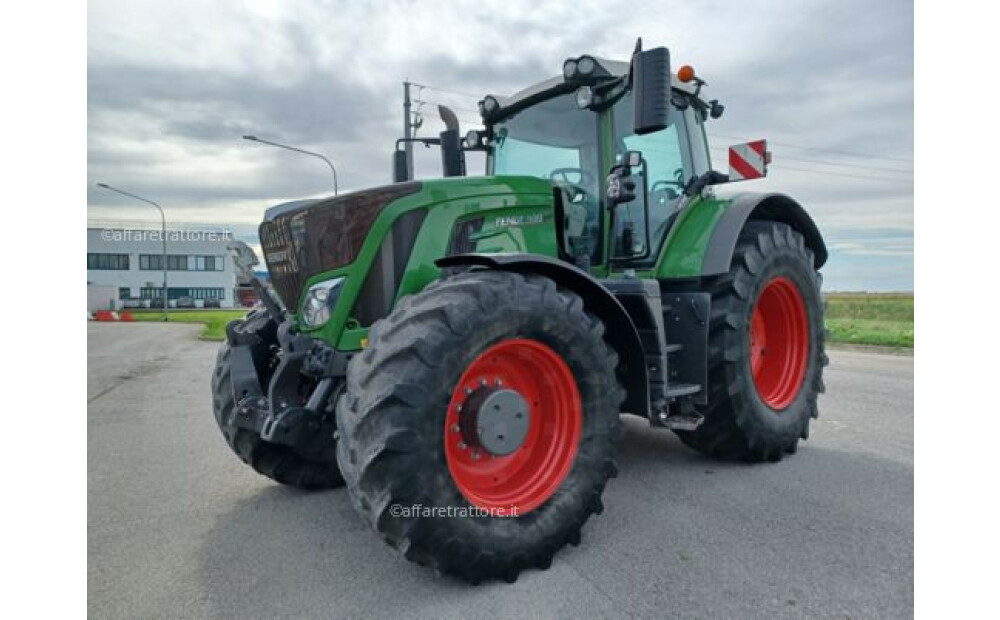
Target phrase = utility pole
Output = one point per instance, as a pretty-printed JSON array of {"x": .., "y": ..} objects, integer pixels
[{"x": 407, "y": 130}]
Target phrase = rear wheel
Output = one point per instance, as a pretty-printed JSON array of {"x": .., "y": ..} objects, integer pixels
[
  {"x": 476, "y": 432},
  {"x": 766, "y": 349}
]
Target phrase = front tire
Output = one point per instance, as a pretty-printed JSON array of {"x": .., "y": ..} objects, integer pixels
[
  {"x": 766, "y": 349},
  {"x": 275, "y": 461},
  {"x": 470, "y": 344}
]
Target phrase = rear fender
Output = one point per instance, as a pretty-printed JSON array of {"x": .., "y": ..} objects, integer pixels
[{"x": 771, "y": 207}]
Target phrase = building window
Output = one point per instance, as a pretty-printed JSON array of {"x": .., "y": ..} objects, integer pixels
[
  {"x": 124, "y": 292},
  {"x": 174, "y": 292},
  {"x": 151, "y": 262},
  {"x": 107, "y": 262},
  {"x": 181, "y": 262}
]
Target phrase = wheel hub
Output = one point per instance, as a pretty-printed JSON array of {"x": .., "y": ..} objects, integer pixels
[{"x": 496, "y": 420}]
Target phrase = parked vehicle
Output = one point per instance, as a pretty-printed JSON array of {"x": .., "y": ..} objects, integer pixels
[
  {"x": 212, "y": 302},
  {"x": 458, "y": 351},
  {"x": 185, "y": 302}
]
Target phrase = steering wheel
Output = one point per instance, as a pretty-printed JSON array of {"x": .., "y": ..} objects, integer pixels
[
  {"x": 665, "y": 186},
  {"x": 576, "y": 191}
]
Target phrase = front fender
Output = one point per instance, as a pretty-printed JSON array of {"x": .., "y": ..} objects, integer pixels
[{"x": 619, "y": 330}]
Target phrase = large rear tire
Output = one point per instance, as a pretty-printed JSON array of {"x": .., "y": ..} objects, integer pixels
[
  {"x": 278, "y": 462},
  {"x": 766, "y": 349},
  {"x": 433, "y": 484}
]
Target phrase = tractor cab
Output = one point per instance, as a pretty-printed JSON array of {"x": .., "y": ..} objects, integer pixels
[{"x": 576, "y": 128}]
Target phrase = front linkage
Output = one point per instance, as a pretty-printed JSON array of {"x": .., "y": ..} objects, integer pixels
[{"x": 273, "y": 393}]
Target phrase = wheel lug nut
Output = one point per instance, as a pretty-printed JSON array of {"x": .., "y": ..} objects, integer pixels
[
  {"x": 499, "y": 382},
  {"x": 454, "y": 428},
  {"x": 458, "y": 408},
  {"x": 475, "y": 455},
  {"x": 482, "y": 382},
  {"x": 468, "y": 391},
  {"x": 461, "y": 445}
]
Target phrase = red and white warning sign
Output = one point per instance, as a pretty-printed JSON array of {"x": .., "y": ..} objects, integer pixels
[{"x": 748, "y": 160}]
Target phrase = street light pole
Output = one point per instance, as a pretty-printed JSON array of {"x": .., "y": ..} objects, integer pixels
[
  {"x": 163, "y": 232},
  {"x": 298, "y": 150}
]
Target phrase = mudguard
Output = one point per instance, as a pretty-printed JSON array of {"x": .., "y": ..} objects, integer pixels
[
  {"x": 620, "y": 332},
  {"x": 773, "y": 207}
]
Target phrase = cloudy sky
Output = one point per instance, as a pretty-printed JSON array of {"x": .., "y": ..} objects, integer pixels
[{"x": 173, "y": 85}]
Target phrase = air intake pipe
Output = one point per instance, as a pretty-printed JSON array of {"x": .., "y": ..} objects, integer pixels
[{"x": 452, "y": 155}]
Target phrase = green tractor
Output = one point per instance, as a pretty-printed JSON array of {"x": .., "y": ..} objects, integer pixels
[{"x": 459, "y": 351}]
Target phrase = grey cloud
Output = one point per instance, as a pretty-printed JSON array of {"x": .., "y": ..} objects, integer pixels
[{"x": 836, "y": 75}]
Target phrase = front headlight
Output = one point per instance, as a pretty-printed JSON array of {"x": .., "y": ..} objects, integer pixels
[{"x": 319, "y": 302}]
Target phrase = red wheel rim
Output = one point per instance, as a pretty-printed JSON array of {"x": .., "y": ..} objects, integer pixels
[
  {"x": 779, "y": 343},
  {"x": 530, "y": 475}
]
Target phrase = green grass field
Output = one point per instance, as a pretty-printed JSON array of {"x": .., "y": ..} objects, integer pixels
[
  {"x": 884, "y": 319},
  {"x": 214, "y": 320}
]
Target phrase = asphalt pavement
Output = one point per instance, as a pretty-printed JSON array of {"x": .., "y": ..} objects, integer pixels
[{"x": 178, "y": 527}]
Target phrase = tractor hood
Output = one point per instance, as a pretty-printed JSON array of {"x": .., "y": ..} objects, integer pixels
[{"x": 306, "y": 237}]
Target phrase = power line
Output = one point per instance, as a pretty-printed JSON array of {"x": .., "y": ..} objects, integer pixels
[
  {"x": 447, "y": 90},
  {"x": 844, "y": 174},
  {"x": 812, "y": 148},
  {"x": 720, "y": 150},
  {"x": 447, "y": 105},
  {"x": 831, "y": 163},
  {"x": 781, "y": 166}
]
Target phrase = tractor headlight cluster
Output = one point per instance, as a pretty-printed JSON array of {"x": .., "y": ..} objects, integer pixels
[
  {"x": 473, "y": 139},
  {"x": 319, "y": 302},
  {"x": 488, "y": 106},
  {"x": 583, "y": 68}
]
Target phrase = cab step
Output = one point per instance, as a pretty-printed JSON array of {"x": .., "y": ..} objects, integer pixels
[
  {"x": 687, "y": 421},
  {"x": 677, "y": 390}
]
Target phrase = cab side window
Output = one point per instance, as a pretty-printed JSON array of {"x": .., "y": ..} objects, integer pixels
[{"x": 668, "y": 169}]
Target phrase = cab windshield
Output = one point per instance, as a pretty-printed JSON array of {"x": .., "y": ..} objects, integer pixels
[{"x": 557, "y": 141}]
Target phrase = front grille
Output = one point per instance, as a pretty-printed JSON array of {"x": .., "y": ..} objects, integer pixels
[
  {"x": 382, "y": 282},
  {"x": 322, "y": 236}
]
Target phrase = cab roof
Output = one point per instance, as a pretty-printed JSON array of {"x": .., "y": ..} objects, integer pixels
[{"x": 614, "y": 67}]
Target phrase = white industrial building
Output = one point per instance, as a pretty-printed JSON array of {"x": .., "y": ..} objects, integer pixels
[{"x": 124, "y": 263}]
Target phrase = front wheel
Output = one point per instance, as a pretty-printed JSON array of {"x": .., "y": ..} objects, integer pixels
[
  {"x": 766, "y": 349},
  {"x": 477, "y": 430},
  {"x": 275, "y": 461}
]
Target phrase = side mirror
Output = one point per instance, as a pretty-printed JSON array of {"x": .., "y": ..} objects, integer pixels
[
  {"x": 399, "y": 168},
  {"x": 651, "y": 90},
  {"x": 621, "y": 187}
]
